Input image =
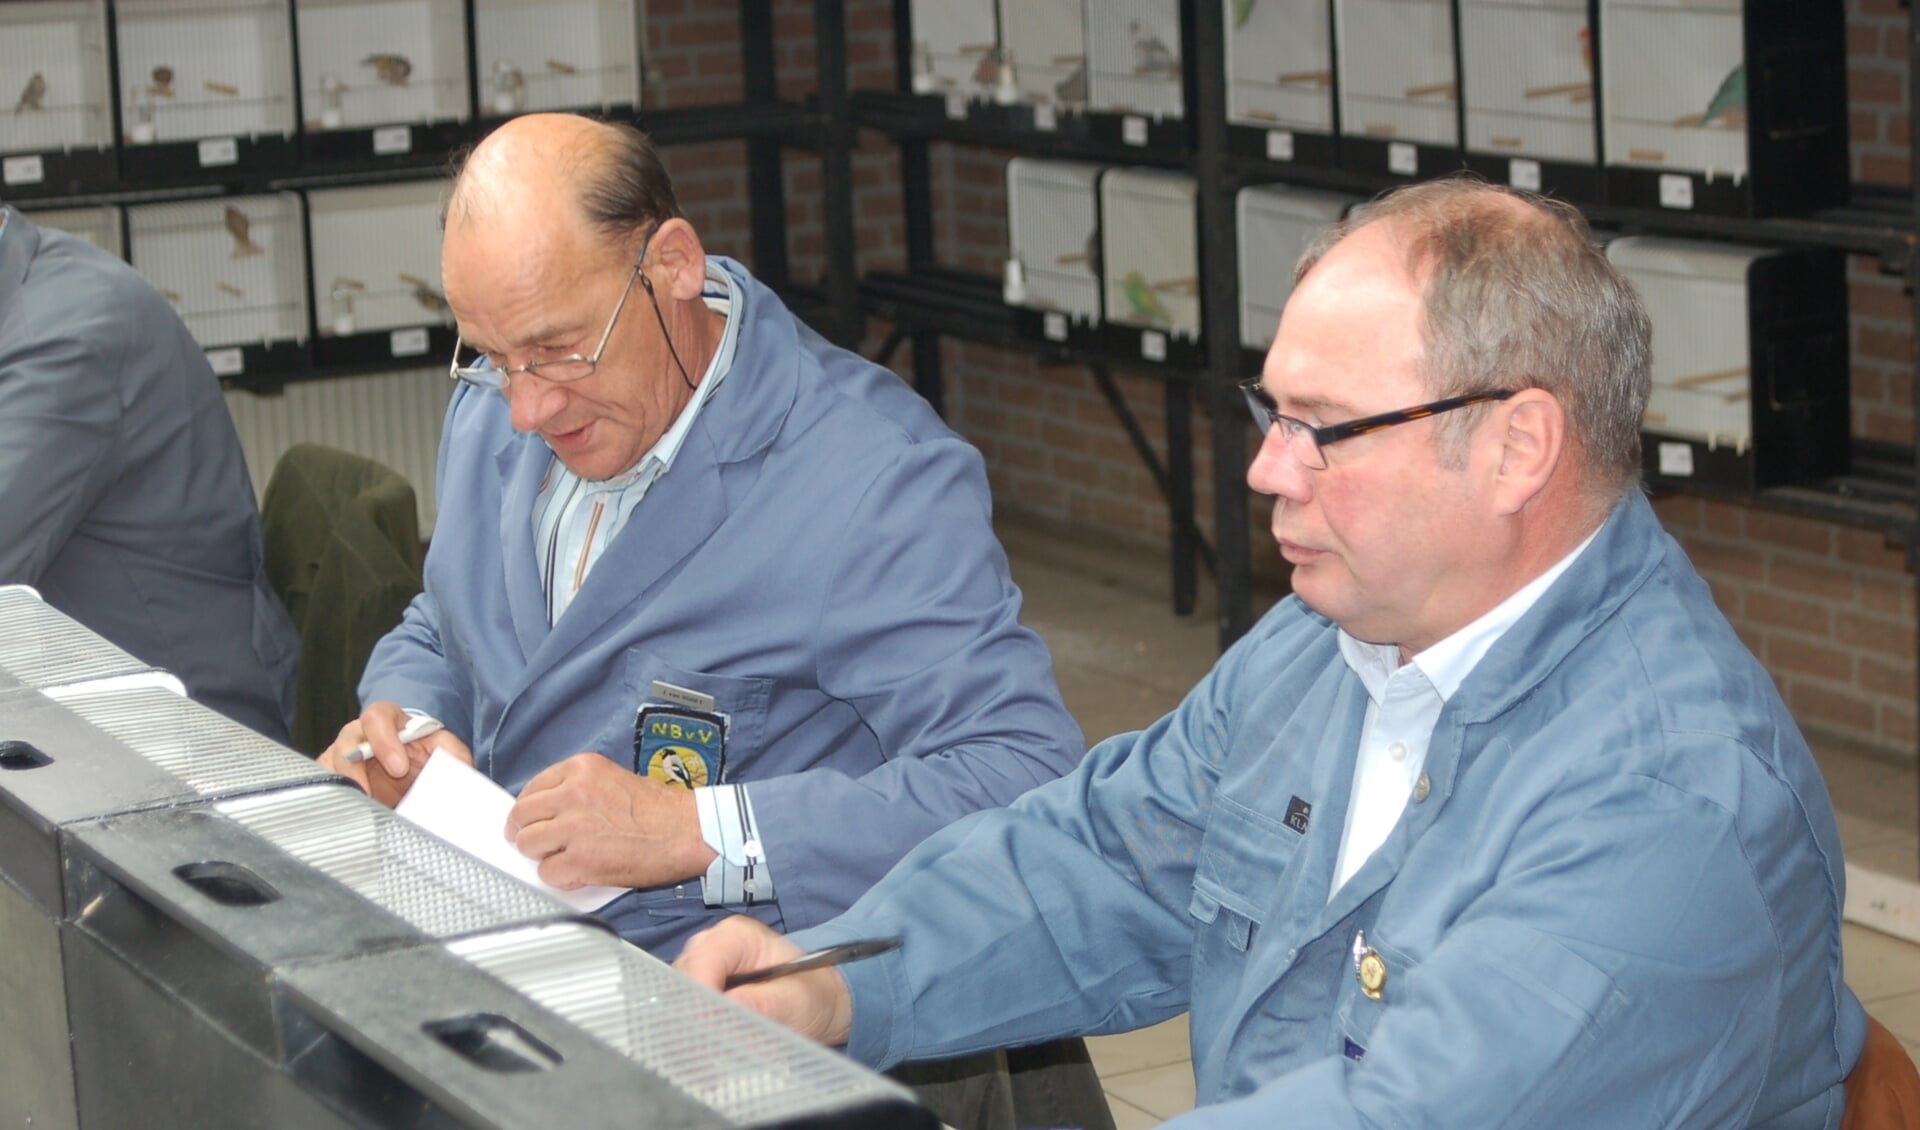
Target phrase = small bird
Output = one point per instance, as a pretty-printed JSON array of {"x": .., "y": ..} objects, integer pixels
[
  {"x": 1146, "y": 304},
  {"x": 35, "y": 94},
  {"x": 987, "y": 71},
  {"x": 1586, "y": 48},
  {"x": 1150, "y": 55},
  {"x": 1241, "y": 10},
  {"x": 424, "y": 293},
  {"x": 1072, "y": 89},
  {"x": 1727, "y": 108},
  {"x": 390, "y": 69},
  {"x": 162, "y": 82},
  {"x": 238, "y": 226}
]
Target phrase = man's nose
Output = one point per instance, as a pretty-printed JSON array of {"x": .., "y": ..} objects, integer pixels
[{"x": 1277, "y": 470}]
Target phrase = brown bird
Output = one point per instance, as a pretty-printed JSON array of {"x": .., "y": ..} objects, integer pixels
[
  {"x": 35, "y": 94},
  {"x": 238, "y": 226},
  {"x": 424, "y": 294},
  {"x": 162, "y": 82},
  {"x": 390, "y": 69}
]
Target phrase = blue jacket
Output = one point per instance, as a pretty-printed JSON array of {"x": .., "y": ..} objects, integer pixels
[
  {"x": 819, "y": 559},
  {"x": 1618, "y": 905},
  {"x": 124, "y": 496}
]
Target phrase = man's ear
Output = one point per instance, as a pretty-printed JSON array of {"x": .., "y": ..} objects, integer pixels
[
  {"x": 676, "y": 262},
  {"x": 1533, "y": 442}
]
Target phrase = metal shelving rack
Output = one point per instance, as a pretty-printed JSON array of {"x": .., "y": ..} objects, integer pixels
[
  {"x": 928, "y": 301},
  {"x": 767, "y": 124}
]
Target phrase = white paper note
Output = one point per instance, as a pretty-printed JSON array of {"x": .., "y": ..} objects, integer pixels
[{"x": 457, "y": 803}]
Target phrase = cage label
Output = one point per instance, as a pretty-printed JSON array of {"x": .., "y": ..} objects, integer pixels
[
  {"x": 23, "y": 170},
  {"x": 1044, "y": 118},
  {"x": 1054, "y": 325},
  {"x": 1676, "y": 460},
  {"x": 1524, "y": 174},
  {"x": 1133, "y": 129},
  {"x": 410, "y": 342},
  {"x": 388, "y": 140},
  {"x": 1279, "y": 145},
  {"x": 219, "y": 151},
  {"x": 1153, "y": 345},
  {"x": 226, "y": 362},
  {"x": 1676, "y": 190},
  {"x": 1403, "y": 158}
]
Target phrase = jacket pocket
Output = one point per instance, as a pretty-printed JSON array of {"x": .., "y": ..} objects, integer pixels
[
  {"x": 742, "y": 701},
  {"x": 1242, "y": 858}
]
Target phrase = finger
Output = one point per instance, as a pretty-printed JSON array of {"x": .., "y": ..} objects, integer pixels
[
  {"x": 732, "y": 945},
  {"x": 534, "y": 807},
  {"x": 443, "y": 741},
  {"x": 380, "y": 723},
  {"x": 349, "y": 738}
]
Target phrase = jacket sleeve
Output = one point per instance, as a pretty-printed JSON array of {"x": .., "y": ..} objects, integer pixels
[
  {"x": 62, "y": 412},
  {"x": 1065, "y": 913},
  {"x": 920, "y": 634},
  {"x": 1625, "y": 971}
]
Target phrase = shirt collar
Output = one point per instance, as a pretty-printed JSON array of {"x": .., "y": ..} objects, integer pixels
[{"x": 1447, "y": 664}]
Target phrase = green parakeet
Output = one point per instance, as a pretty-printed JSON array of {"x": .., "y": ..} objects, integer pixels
[
  {"x": 1146, "y": 304},
  {"x": 1731, "y": 97},
  {"x": 1241, "y": 10}
]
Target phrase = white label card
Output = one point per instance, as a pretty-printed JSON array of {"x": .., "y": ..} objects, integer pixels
[
  {"x": 1153, "y": 345},
  {"x": 1279, "y": 145},
  {"x": 218, "y": 151},
  {"x": 1524, "y": 174},
  {"x": 226, "y": 362},
  {"x": 1403, "y": 158},
  {"x": 1676, "y": 190},
  {"x": 957, "y": 106},
  {"x": 1044, "y": 117},
  {"x": 1054, "y": 325},
  {"x": 1133, "y": 129},
  {"x": 23, "y": 170},
  {"x": 1676, "y": 460},
  {"x": 393, "y": 139},
  {"x": 410, "y": 342}
]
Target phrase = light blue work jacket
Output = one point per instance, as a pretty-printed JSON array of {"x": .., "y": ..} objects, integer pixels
[
  {"x": 819, "y": 559},
  {"x": 1617, "y": 903}
]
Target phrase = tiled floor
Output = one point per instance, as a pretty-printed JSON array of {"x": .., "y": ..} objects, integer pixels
[{"x": 1124, "y": 659}]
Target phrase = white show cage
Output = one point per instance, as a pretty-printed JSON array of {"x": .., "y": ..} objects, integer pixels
[
  {"x": 368, "y": 63},
  {"x": 1397, "y": 80},
  {"x": 376, "y": 258},
  {"x": 1277, "y": 223},
  {"x": 54, "y": 73},
  {"x": 558, "y": 55},
  {"x": 98, "y": 225},
  {"x": 1134, "y": 57},
  {"x": 1280, "y": 64},
  {"x": 1702, "y": 366},
  {"x": 1529, "y": 79},
  {"x": 1053, "y": 235},
  {"x": 204, "y": 69},
  {"x": 234, "y": 268},
  {"x": 1150, "y": 255},
  {"x": 1045, "y": 44},
  {"x": 1674, "y": 82},
  {"x": 956, "y": 49}
]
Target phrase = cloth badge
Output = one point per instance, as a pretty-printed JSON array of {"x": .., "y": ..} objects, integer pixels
[{"x": 678, "y": 746}]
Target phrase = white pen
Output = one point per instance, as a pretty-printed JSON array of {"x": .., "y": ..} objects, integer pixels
[{"x": 417, "y": 727}]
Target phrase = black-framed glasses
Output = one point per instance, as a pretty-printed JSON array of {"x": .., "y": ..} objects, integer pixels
[
  {"x": 1267, "y": 414},
  {"x": 473, "y": 367}
]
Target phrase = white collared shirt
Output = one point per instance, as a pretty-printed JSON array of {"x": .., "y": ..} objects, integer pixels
[{"x": 1403, "y": 704}]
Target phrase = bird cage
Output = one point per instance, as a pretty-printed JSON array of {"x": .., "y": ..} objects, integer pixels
[
  {"x": 1134, "y": 72},
  {"x": 1150, "y": 265},
  {"x": 956, "y": 50},
  {"x": 542, "y": 55},
  {"x": 1529, "y": 95},
  {"x": 53, "y": 64},
  {"x": 99, "y": 225},
  {"x": 235, "y": 269},
  {"x": 1277, "y": 224},
  {"x": 1053, "y": 238},
  {"x": 1044, "y": 44},
  {"x": 1724, "y": 107},
  {"x": 1280, "y": 80},
  {"x": 1399, "y": 91},
  {"x": 1750, "y": 384},
  {"x": 376, "y": 274},
  {"x": 205, "y": 85},
  {"x": 382, "y": 79}
]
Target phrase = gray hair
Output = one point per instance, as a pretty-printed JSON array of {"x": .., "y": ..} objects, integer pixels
[{"x": 1520, "y": 297}]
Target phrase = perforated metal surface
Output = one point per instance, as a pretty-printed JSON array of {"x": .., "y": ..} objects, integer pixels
[
  {"x": 437, "y": 888},
  {"x": 212, "y": 754},
  {"x": 747, "y": 1069},
  {"x": 44, "y": 647}
]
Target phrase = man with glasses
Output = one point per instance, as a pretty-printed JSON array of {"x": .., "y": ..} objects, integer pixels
[
  {"x": 718, "y": 602},
  {"x": 1495, "y": 823}
]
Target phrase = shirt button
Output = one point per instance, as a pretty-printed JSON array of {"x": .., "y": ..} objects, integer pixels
[{"x": 1398, "y": 750}]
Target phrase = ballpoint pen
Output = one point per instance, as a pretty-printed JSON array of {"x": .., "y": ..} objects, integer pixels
[
  {"x": 818, "y": 959},
  {"x": 416, "y": 728}
]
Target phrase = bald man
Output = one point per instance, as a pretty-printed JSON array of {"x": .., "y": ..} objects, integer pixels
[{"x": 718, "y": 601}]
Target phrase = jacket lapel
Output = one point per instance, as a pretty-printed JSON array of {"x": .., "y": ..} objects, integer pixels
[{"x": 522, "y": 466}]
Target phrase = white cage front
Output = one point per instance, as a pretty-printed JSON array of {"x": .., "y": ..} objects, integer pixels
[
  {"x": 1134, "y": 56},
  {"x": 955, "y": 47},
  {"x": 1702, "y": 370},
  {"x": 565, "y": 55},
  {"x": 1045, "y": 43},
  {"x": 366, "y": 64},
  {"x": 1053, "y": 232},
  {"x": 1397, "y": 80},
  {"x": 1277, "y": 224},
  {"x": 235, "y": 268},
  {"x": 1279, "y": 64},
  {"x": 53, "y": 65},
  {"x": 376, "y": 257},
  {"x": 1150, "y": 255},
  {"x": 207, "y": 68},
  {"x": 98, "y": 225},
  {"x": 1675, "y": 85},
  {"x": 1529, "y": 78}
]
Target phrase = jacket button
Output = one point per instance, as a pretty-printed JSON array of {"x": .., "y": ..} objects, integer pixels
[{"x": 1421, "y": 788}]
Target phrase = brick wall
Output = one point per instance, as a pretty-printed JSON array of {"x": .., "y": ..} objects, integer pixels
[{"x": 1829, "y": 609}]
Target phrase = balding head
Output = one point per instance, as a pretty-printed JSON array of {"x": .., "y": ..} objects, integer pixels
[{"x": 541, "y": 174}]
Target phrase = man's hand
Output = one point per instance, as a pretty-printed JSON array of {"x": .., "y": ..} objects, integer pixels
[
  {"x": 815, "y": 1004},
  {"x": 389, "y": 773},
  {"x": 591, "y": 823}
]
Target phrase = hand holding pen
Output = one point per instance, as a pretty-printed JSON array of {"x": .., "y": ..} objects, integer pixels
[{"x": 769, "y": 974}]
